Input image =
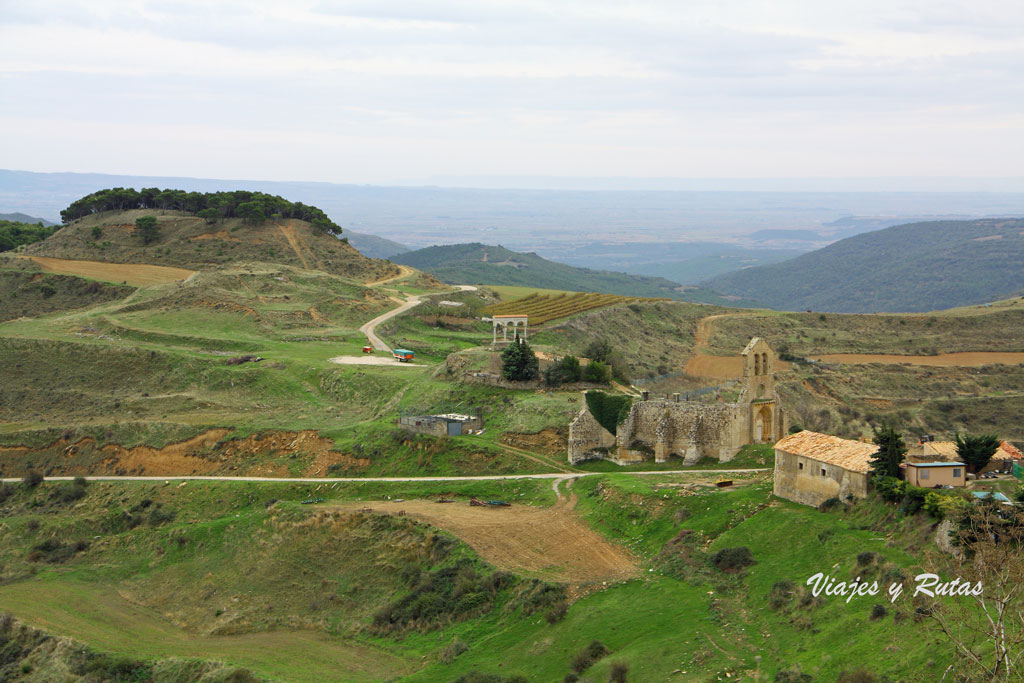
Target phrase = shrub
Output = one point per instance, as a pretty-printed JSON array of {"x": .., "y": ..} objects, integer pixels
[
  {"x": 563, "y": 371},
  {"x": 5, "y": 491},
  {"x": 619, "y": 673},
  {"x": 453, "y": 650},
  {"x": 866, "y": 558},
  {"x": 32, "y": 479},
  {"x": 890, "y": 489},
  {"x": 97, "y": 232},
  {"x": 588, "y": 656},
  {"x": 160, "y": 516},
  {"x": 597, "y": 372},
  {"x": 913, "y": 501},
  {"x": 557, "y": 613},
  {"x": 68, "y": 493},
  {"x": 781, "y": 594},
  {"x": 858, "y": 676},
  {"x": 733, "y": 560},
  {"x": 792, "y": 676},
  {"x": 878, "y": 612},
  {"x": 830, "y": 504}
]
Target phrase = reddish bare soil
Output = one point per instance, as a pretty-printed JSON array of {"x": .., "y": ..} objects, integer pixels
[
  {"x": 263, "y": 454},
  {"x": 551, "y": 543}
]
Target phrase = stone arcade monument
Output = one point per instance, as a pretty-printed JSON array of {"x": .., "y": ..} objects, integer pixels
[{"x": 660, "y": 428}]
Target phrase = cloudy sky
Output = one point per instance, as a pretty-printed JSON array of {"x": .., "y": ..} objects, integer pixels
[{"x": 393, "y": 91}]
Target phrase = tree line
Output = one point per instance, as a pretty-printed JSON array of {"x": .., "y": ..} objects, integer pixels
[
  {"x": 251, "y": 207},
  {"x": 14, "y": 234}
]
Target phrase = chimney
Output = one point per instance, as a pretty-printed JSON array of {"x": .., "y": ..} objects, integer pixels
[
  {"x": 644, "y": 395},
  {"x": 675, "y": 397}
]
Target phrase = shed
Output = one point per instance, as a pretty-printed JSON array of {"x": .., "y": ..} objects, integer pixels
[{"x": 936, "y": 474}]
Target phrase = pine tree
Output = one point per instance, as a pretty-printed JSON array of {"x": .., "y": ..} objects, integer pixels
[
  {"x": 976, "y": 451},
  {"x": 891, "y": 449},
  {"x": 519, "y": 362}
]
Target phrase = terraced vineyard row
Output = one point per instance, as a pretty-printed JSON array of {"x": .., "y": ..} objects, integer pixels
[{"x": 544, "y": 307}]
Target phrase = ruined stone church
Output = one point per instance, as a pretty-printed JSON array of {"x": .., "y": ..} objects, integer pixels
[{"x": 661, "y": 428}]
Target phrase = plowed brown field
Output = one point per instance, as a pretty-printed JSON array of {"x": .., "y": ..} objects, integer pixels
[
  {"x": 134, "y": 274},
  {"x": 550, "y": 543},
  {"x": 966, "y": 359}
]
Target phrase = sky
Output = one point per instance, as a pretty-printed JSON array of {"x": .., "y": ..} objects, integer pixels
[{"x": 406, "y": 92}]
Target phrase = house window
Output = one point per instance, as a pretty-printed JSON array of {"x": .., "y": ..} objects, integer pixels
[
  {"x": 799, "y": 465},
  {"x": 924, "y": 474},
  {"x": 956, "y": 472},
  {"x": 823, "y": 471}
]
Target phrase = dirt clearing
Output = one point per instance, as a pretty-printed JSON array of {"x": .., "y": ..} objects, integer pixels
[
  {"x": 966, "y": 359},
  {"x": 550, "y": 543},
  {"x": 372, "y": 360},
  {"x": 134, "y": 274}
]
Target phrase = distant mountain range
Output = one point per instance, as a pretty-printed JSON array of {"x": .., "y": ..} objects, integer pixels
[
  {"x": 916, "y": 267},
  {"x": 484, "y": 264},
  {"x": 25, "y": 218},
  {"x": 373, "y": 246}
]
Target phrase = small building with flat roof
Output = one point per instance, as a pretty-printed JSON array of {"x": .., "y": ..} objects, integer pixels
[
  {"x": 444, "y": 424},
  {"x": 933, "y": 475}
]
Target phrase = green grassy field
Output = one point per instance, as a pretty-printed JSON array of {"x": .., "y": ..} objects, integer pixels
[{"x": 243, "y": 573}]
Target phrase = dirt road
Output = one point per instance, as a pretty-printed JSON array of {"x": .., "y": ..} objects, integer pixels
[
  {"x": 334, "y": 480},
  {"x": 403, "y": 271},
  {"x": 369, "y": 329}
]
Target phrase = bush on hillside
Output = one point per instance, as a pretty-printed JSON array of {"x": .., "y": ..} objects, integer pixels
[
  {"x": 563, "y": 371},
  {"x": 913, "y": 501},
  {"x": 792, "y": 676},
  {"x": 597, "y": 372},
  {"x": 589, "y": 655},
  {"x": 32, "y": 479},
  {"x": 891, "y": 489},
  {"x": 732, "y": 560},
  {"x": 619, "y": 673}
]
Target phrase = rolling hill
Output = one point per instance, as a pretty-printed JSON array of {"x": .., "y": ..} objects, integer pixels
[
  {"x": 187, "y": 241},
  {"x": 916, "y": 267},
  {"x": 374, "y": 246},
  {"x": 495, "y": 265}
]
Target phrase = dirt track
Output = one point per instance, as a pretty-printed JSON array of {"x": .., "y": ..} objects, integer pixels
[
  {"x": 545, "y": 542},
  {"x": 134, "y": 274},
  {"x": 717, "y": 367},
  {"x": 966, "y": 359}
]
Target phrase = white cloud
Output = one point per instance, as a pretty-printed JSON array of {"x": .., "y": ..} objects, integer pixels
[{"x": 792, "y": 87}]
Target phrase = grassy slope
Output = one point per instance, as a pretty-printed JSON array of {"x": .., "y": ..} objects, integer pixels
[
  {"x": 462, "y": 263},
  {"x": 916, "y": 267},
  {"x": 229, "y": 563}
]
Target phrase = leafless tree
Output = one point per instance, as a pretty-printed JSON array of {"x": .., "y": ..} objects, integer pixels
[{"x": 986, "y": 630}]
